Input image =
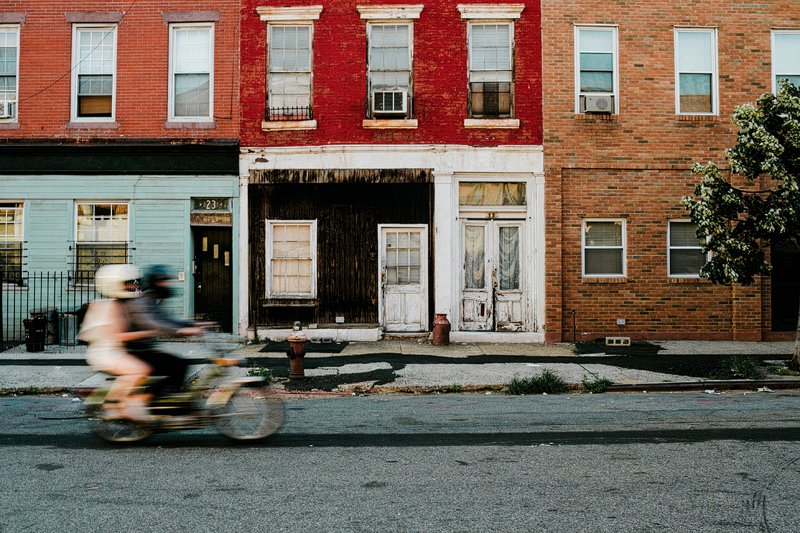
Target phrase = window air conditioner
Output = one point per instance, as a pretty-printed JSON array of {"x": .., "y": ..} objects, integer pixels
[
  {"x": 597, "y": 104},
  {"x": 7, "y": 108},
  {"x": 389, "y": 102}
]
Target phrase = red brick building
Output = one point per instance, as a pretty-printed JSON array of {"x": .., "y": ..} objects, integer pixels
[
  {"x": 394, "y": 161},
  {"x": 634, "y": 93}
]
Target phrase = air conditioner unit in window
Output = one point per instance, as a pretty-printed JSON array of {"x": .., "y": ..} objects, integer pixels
[
  {"x": 7, "y": 108},
  {"x": 597, "y": 104},
  {"x": 389, "y": 102}
]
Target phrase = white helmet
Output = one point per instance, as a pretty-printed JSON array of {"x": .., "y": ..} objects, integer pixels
[{"x": 112, "y": 280}]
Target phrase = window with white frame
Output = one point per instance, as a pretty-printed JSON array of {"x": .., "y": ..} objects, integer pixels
[
  {"x": 696, "y": 71},
  {"x": 389, "y": 70},
  {"x": 291, "y": 258},
  {"x": 94, "y": 58},
  {"x": 785, "y": 57},
  {"x": 101, "y": 236},
  {"x": 603, "y": 248},
  {"x": 491, "y": 69},
  {"x": 596, "y": 69},
  {"x": 289, "y": 79},
  {"x": 11, "y": 233},
  {"x": 9, "y": 69},
  {"x": 191, "y": 65},
  {"x": 684, "y": 250}
]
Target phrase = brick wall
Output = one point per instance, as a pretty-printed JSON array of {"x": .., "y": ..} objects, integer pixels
[
  {"x": 439, "y": 69},
  {"x": 142, "y": 70},
  {"x": 635, "y": 166}
]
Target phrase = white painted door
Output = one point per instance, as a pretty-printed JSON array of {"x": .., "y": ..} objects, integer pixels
[
  {"x": 403, "y": 266},
  {"x": 492, "y": 297}
]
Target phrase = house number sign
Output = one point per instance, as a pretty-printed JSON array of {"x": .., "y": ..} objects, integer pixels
[{"x": 210, "y": 204}]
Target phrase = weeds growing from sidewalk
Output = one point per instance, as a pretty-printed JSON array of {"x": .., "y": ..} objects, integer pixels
[
  {"x": 259, "y": 371},
  {"x": 741, "y": 367},
  {"x": 545, "y": 383},
  {"x": 596, "y": 385}
]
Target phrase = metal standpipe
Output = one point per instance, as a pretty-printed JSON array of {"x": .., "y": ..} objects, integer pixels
[{"x": 297, "y": 352}]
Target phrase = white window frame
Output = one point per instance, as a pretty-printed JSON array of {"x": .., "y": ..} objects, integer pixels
[
  {"x": 670, "y": 248},
  {"x": 623, "y": 248},
  {"x": 614, "y": 30},
  {"x": 774, "y": 57},
  {"x": 76, "y": 31},
  {"x": 512, "y": 66},
  {"x": 173, "y": 28},
  {"x": 20, "y": 208},
  {"x": 15, "y": 29},
  {"x": 78, "y": 243},
  {"x": 714, "y": 70},
  {"x": 410, "y": 95},
  {"x": 310, "y": 71},
  {"x": 312, "y": 224}
]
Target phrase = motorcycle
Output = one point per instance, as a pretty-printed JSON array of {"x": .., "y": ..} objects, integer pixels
[{"x": 237, "y": 406}]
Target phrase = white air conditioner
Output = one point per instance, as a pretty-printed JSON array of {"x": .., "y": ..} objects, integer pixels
[
  {"x": 7, "y": 108},
  {"x": 389, "y": 102},
  {"x": 597, "y": 104}
]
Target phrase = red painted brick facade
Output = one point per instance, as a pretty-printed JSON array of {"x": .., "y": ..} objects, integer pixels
[
  {"x": 142, "y": 70},
  {"x": 635, "y": 166},
  {"x": 439, "y": 69}
]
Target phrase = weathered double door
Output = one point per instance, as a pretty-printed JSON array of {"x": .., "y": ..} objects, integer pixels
[{"x": 492, "y": 290}]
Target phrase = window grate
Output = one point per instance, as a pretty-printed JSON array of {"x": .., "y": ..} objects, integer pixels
[{"x": 290, "y": 113}]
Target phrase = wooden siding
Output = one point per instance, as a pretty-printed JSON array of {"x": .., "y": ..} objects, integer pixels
[
  {"x": 347, "y": 244},
  {"x": 373, "y": 176}
]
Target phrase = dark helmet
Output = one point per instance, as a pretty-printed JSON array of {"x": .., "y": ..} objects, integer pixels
[{"x": 155, "y": 276}]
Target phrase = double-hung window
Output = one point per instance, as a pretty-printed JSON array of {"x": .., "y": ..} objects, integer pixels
[
  {"x": 9, "y": 69},
  {"x": 596, "y": 80},
  {"x": 101, "y": 236},
  {"x": 289, "y": 82},
  {"x": 785, "y": 57},
  {"x": 94, "y": 58},
  {"x": 191, "y": 81},
  {"x": 11, "y": 233},
  {"x": 696, "y": 71},
  {"x": 491, "y": 72},
  {"x": 291, "y": 258},
  {"x": 684, "y": 250},
  {"x": 389, "y": 70},
  {"x": 603, "y": 248}
]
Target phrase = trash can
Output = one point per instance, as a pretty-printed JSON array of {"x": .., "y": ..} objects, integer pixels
[
  {"x": 50, "y": 315},
  {"x": 35, "y": 332}
]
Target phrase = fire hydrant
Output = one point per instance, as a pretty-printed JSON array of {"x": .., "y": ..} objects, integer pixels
[{"x": 296, "y": 352}]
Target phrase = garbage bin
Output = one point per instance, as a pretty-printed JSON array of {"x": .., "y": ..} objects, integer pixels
[
  {"x": 35, "y": 332},
  {"x": 50, "y": 315}
]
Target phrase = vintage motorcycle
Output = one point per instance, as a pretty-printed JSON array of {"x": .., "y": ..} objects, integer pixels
[{"x": 238, "y": 406}]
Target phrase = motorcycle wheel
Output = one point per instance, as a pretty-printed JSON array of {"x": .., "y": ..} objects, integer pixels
[
  {"x": 249, "y": 415},
  {"x": 120, "y": 431}
]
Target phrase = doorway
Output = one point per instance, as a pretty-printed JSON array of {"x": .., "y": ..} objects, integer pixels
[
  {"x": 785, "y": 261},
  {"x": 213, "y": 275},
  {"x": 492, "y": 291},
  {"x": 403, "y": 267}
]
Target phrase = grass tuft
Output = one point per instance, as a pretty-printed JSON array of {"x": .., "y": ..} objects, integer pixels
[{"x": 545, "y": 383}]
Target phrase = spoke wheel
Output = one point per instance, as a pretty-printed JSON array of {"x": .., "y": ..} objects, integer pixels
[
  {"x": 120, "y": 430},
  {"x": 249, "y": 415}
]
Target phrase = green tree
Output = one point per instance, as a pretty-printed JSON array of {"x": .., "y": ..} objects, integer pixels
[{"x": 737, "y": 222}]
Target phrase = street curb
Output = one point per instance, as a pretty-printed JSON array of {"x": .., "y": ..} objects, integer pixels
[{"x": 688, "y": 386}]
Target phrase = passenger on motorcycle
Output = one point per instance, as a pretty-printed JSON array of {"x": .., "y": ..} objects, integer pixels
[{"x": 107, "y": 328}]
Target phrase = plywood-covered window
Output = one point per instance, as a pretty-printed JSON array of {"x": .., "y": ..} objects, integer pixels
[{"x": 291, "y": 258}]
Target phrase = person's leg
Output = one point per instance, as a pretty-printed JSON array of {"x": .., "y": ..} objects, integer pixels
[
  {"x": 123, "y": 398},
  {"x": 171, "y": 367}
]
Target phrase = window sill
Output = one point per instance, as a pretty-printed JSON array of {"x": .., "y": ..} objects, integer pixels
[
  {"x": 92, "y": 125},
  {"x": 492, "y": 123},
  {"x": 289, "y": 302},
  {"x": 210, "y": 125},
  {"x": 11, "y": 125},
  {"x": 391, "y": 124},
  {"x": 277, "y": 125},
  {"x": 688, "y": 280},
  {"x": 604, "y": 280},
  {"x": 596, "y": 117},
  {"x": 698, "y": 118}
]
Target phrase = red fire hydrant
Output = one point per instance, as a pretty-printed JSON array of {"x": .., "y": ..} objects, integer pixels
[{"x": 297, "y": 352}]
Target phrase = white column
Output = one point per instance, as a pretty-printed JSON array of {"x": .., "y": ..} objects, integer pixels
[
  {"x": 443, "y": 242},
  {"x": 244, "y": 256}
]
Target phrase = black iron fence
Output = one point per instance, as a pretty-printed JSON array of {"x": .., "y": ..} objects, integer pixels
[
  {"x": 41, "y": 308},
  {"x": 290, "y": 113}
]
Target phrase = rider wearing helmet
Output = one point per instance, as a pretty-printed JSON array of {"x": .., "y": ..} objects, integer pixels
[
  {"x": 146, "y": 314},
  {"x": 106, "y": 328}
]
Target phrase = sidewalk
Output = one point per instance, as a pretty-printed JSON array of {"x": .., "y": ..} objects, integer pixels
[{"x": 417, "y": 366}]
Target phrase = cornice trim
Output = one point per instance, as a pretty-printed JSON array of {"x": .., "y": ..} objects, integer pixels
[
  {"x": 289, "y": 14},
  {"x": 393, "y": 12},
  {"x": 490, "y": 11}
]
